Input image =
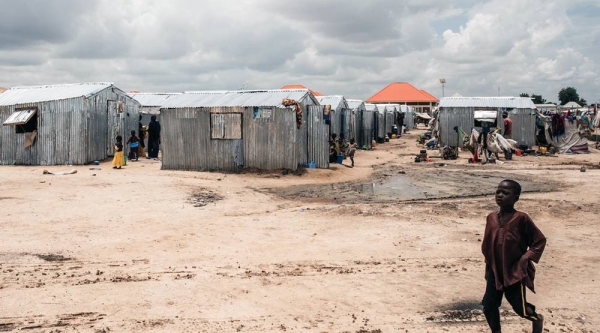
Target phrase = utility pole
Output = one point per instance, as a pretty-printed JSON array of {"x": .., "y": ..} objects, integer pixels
[{"x": 443, "y": 82}]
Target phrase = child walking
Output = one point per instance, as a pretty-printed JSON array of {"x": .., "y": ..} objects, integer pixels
[
  {"x": 511, "y": 244},
  {"x": 351, "y": 150},
  {"x": 134, "y": 143},
  {"x": 119, "y": 159}
]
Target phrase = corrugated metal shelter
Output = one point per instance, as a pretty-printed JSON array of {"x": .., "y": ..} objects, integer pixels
[
  {"x": 459, "y": 111},
  {"x": 73, "y": 123},
  {"x": 391, "y": 112},
  {"x": 409, "y": 116},
  {"x": 357, "y": 108},
  {"x": 370, "y": 124},
  {"x": 229, "y": 130},
  {"x": 339, "y": 123}
]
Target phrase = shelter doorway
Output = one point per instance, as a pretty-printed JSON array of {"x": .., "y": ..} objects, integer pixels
[{"x": 114, "y": 111}]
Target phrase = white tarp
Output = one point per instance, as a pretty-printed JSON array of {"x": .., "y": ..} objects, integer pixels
[{"x": 485, "y": 115}]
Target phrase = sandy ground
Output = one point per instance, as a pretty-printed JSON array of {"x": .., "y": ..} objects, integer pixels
[{"x": 390, "y": 245}]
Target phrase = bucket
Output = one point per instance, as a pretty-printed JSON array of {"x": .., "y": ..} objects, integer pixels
[
  {"x": 312, "y": 165},
  {"x": 394, "y": 136},
  {"x": 519, "y": 152},
  {"x": 340, "y": 159},
  {"x": 543, "y": 150}
]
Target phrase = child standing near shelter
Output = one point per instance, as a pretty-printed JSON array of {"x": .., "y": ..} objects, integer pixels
[
  {"x": 352, "y": 150},
  {"x": 134, "y": 143},
  {"x": 511, "y": 244},
  {"x": 119, "y": 159}
]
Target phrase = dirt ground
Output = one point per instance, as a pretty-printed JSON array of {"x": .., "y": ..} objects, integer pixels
[{"x": 390, "y": 245}]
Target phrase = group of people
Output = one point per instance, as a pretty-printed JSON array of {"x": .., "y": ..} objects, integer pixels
[
  {"x": 137, "y": 147},
  {"x": 341, "y": 147}
]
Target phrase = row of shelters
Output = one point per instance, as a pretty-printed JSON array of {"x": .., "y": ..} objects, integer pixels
[{"x": 78, "y": 123}]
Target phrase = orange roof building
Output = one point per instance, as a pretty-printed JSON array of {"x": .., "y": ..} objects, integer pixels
[
  {"x": 299, "y": 86},
  {"x": 406, "y": 94}
]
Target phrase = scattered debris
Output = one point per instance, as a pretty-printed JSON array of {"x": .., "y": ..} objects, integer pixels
[
  {"x": 203, "y": 197},
  {"x": 53, "y": 257},
  {"x": 60, "y": 173}
]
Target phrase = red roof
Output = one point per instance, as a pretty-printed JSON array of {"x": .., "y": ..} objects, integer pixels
[
  {"x": 299, "y": 86},
  {"x": 401, "y": 92}
]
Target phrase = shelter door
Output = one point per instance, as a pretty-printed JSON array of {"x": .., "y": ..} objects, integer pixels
[{"x": 115, "y": 125}]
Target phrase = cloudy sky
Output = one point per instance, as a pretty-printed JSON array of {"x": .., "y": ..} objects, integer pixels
[{"x": 348, "y": 47}]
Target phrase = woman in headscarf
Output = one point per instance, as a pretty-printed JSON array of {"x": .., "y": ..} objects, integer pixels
[{"x": 153, "y": 137}]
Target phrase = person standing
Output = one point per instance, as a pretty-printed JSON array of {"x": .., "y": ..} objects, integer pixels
[
  {"x": 119, "y": 158},
  {"x": 507, "y": 133},
  {"x": 352, "y": 151},
  {"x": 400, "y": 123},
  {"x": 134, "y": 143},
  {"x": 153, "y": 138},
  {"x": 511, "y": 244}
]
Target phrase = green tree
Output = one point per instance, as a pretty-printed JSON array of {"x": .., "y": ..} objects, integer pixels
[
  {"x": 568, "y": 94},
  {"x": 537, "y": 99},
  {"x": 524, "y": 95},
  {"x": 583, "y": 102}
]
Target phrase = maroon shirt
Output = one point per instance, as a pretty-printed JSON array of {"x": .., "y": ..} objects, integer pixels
[
  {"x": 504, "y": 245},
  {"x": 507, "y": 126}
]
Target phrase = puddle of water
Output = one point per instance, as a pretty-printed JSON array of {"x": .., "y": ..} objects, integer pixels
[{"x": 397, "y": 187}]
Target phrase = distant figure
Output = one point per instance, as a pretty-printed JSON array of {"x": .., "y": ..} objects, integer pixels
[
  {"x": 119, "y": 159},
  {"x": 352, "y": 150},
  {"x": 141, "y": 133},
  {"x": 343, "y": 144},
  {"x": 134, "y": 143},
  {"x": 507, "y": 133},
  {"x": 400, "y": 123},
  {"x": 153, "y": 137},
  {"x": 511, "y": 243}
]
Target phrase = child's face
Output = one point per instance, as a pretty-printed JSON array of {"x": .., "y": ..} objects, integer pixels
[{"x": 505, "y": 195}]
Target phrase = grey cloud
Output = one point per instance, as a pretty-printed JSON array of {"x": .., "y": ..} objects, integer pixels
[{"x": 26, "y": 23}]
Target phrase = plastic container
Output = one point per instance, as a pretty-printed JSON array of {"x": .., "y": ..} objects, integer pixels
[
  {"x": 125, "y": 160},
  {"x": 96, "y": 162},
  {"x": 519, "y": 152},
  {"x": 543, "y": 150},
  {"x": 340, "y": 159},
  {"x": 312, "y": 165}
]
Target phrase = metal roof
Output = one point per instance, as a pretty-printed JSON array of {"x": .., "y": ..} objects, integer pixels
[
  {"x": 36, "y": 94},
  {"x": 355, "y": 104},
  {"x": 336, "y": 101},
  {"x": 388, "y": 107},
  {"x": 240, "y": 98},
  {"x": 487, "y": 102},
  {"x": 371, "y": 107},
  {"x": 151, "y": 99}
]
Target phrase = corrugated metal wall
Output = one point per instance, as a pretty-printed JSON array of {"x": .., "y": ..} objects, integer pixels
[
  {"x": 336, "y": 119},
  {"x": 267, "y": 144},
  {"x": 409, "y": 119},
  {"x": 345, "y": 123},
  {"x": 71, "y": 131},
  {"x": 271, "y": 144},
  {"x": 523, "y": 124},
  {"x": 318, "y": 138},
  {"x": 356, "y": 127},
  {"x": 380, "y": 124},
  {"x": 368, "y": 122},
  {"x": 389, "y": 122},
  {"x": 187, "y": 145}
]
